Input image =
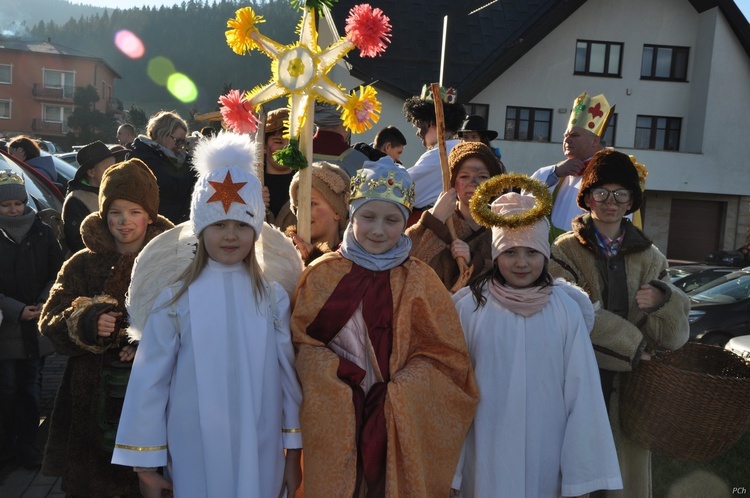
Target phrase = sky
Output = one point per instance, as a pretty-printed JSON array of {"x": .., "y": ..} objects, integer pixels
[{"x": 744, "y": 5}]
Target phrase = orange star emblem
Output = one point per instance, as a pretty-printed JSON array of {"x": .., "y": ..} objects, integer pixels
[{"x": 227, "y": 192}]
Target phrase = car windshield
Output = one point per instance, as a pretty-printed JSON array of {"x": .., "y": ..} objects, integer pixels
[
  {"x": 730, "y": 289},
  {"x": 41, "y": 195}
]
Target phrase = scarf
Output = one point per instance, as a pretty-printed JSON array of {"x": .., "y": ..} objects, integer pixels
[
  {"x": 353, "y": 251},
  {"x": 524, "y": 302},
  {"x": 16, "y": 227}
]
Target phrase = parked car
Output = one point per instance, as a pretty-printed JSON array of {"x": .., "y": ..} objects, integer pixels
[
  {"x": 48, "y": 146},
  {"x": 690, "y": 277},
  {"x": 70, "y": 158},
  {"x": 740, "y": 345},
  {"x": 720, "y": 310},
  {"x": 65, "y": 170},
  {"x": 43, "y": 194}
]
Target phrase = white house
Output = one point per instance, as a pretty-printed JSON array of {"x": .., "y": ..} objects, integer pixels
[{"x": 677, "y": 70}]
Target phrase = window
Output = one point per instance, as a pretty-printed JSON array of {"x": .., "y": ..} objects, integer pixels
[
  {"x": 64, "y": 80},
  {"x": 57, "y": 114},
  {"x": 6, "y": 74},
  {"x": 478, "y": 110},
  {"x": 5, "y": 108},
  {"x": 664, "y": 63},
  {"x": 528, "y": 123},
  {"x": 598, "y": 58},
  {"x": 657, "y": 133},
  {"x": 610, "y": 133}
]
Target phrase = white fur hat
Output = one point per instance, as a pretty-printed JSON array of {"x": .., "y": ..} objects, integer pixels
[{"x": 227, "y": 186}]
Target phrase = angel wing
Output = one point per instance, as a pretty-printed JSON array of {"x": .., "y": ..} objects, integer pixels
[{"x": 164, "y": 260}]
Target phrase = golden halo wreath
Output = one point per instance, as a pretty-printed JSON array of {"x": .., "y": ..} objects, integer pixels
[{"x": 493, "y": 188}]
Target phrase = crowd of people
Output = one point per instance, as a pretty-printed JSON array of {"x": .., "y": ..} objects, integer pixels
[{"x": 375, "y": 375}]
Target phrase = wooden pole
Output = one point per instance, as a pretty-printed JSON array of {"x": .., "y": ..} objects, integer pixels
[{"x": 304, "y": 194}]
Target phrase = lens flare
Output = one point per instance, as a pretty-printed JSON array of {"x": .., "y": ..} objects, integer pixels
[
  {"x": 182, "y": 87},
  {"x": 160, "y": 69},
  {"x": 129, "y": 44}
]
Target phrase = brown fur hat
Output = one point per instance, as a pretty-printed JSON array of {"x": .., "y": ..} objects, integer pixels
[
  {"x": 610, "y": 166},
  {"x": 332, "y": 183},
  {"x": 275, "y": 120},
  {"x": 131, "y": 180},
  {"x": 464, "y": 150}
]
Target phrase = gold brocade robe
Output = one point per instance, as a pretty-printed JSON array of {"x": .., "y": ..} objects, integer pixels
[{"x": 431, "y": 397}]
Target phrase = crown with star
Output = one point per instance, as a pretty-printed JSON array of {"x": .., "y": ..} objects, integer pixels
[
  {"x": 383, "y": 180},
  {"x": 227, "y": 187}
]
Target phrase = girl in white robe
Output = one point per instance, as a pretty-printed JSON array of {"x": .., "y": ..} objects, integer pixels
[
  {"x": 213, "y": 399},
  {"x": 541, "y": 427}
]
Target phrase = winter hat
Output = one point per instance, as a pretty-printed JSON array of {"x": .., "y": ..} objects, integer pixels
[
  {"x": 133, "y": 181},
  {"x": 227, "y": 186},
  {"x": 464, "y": 150},
  {"x": 94, "y": 153},
  {"x": 275, "y": 120},
  {"x": 610, "y": 166},
  {"x": 535, "y": 236},
  {"x": 332, "y": 183},
  {"x": 12, "y": 187},
  {"x": 382, "y": 180},
  {"x": 327, "y": 115}
]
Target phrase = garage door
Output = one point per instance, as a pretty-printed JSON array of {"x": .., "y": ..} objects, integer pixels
[{"x": 694, "y": 229}]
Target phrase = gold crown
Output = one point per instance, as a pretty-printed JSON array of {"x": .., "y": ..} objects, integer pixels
[
  {"x": 387, "y": 187},
  {"x": 10, "y": 177},
  {"x": 591, "y": 113},
  {"x": 447, "y": 95}
]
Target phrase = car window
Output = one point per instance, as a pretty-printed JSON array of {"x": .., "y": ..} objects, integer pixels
[
  {"x": 41, "y": 196},
  {"x": 729, "y": 289}
]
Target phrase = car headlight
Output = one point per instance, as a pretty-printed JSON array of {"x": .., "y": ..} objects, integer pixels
[{"x": 695, "y": 315}]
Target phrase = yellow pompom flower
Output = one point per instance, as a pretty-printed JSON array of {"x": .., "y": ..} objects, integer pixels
[
  {"x": 241, "y": 28},
  {"x": 361, "y": 111}
]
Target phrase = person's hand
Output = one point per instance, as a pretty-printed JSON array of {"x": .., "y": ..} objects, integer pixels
[
  {"x": 30, "y": 312},
  {"x": 445, "y": 205},
  {"x": 105, "y": 325},
  {"x": 127, "y": 353},
  {"x": 645, "y": 356},
  {"x": 154, "y": 485},
  {"x": 649, "y": 296},
  {"x": 455, "y": 492},
  {"x": 460, "y": 249},
  {"x": 292, "y": 473},
  {"x": 266, "y": 197},
  {"x": 304, "y": 248},
  {"x": 569, "y": 167}
]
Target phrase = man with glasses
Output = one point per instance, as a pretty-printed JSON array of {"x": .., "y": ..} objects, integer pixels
[
  {"x": 582, "y": 139},
  {"x": 622, "y": 271}
]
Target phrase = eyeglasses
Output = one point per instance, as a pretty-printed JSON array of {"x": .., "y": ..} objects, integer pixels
[
  {"x": 621, "y": 196},
  {"x": 179, "y": 142}
]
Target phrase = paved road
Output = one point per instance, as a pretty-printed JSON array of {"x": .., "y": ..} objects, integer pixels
[{"x": 16, "y": 481}]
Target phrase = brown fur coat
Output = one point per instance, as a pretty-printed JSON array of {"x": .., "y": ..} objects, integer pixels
[{"x": 75, "y": 445}]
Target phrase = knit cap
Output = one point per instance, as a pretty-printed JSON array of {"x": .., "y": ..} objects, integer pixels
[
  {"x": 464, "y": 150},
  {"x": 535, "y": 236},
  {"x": 130, "y": 180},
  {"x": 12, "y": 187},
  {"x": 227, "y": 186},
  {"x": 332, "y": 183},
  {"x": 610, "y": 166}
]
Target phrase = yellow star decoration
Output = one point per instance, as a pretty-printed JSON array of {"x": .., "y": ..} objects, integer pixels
[
  {"x": 299, "y": 71},
  {"x": 227, "y": 192}
]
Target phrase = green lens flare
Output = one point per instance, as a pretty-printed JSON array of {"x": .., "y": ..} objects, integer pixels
[{"x": 182, "y": 87}]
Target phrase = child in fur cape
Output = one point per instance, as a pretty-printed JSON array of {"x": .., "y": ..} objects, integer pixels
[
  {"x": 213, "y": 401},
  {"x": 85, "y": 319},
  {"x": 388, "y": 392},
  {"x": 621, "y": 269}
]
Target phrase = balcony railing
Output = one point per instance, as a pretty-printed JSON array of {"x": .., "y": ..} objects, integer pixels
[
  {"x": 53, "y": 93},
  {"x": 42, "y": 126}
]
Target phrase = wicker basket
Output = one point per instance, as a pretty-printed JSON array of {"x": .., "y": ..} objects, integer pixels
[{"x": 689, "y": 404}]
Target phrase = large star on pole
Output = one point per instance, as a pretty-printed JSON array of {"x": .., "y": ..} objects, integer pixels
[
  {"x": 227, "y": 192},
  {"x": 300, "y": 70}
]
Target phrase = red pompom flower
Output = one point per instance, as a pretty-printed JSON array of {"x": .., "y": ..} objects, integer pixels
[
  {"x": 369, "y": 29},
  {"x": 235, "y": 113}
]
